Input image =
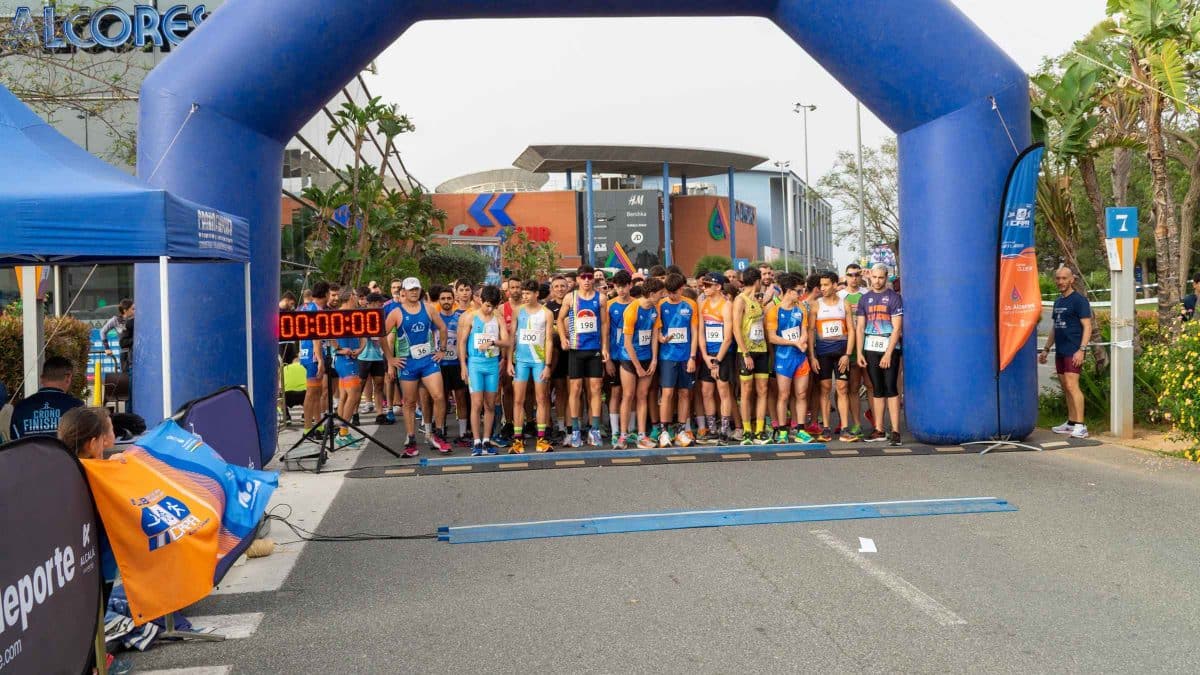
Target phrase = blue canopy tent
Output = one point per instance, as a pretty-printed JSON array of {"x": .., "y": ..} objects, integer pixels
[{"x": 59, "y": 205}]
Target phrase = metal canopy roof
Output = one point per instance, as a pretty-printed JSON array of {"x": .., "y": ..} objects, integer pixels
[{"x": 634, "y": 160}]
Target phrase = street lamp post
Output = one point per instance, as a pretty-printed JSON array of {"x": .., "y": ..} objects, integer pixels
[
  {"x": 862, "y": 215},
  {"x": 782, "y": 165},
  {"x": 87, "y": 144},
  {"x": 805, "y": 221}
]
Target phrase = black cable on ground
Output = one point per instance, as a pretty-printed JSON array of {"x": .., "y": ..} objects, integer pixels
[{"x": 309, "y": 535}]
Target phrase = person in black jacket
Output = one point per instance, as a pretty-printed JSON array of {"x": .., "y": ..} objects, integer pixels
[{"x": 39, "y": 414}]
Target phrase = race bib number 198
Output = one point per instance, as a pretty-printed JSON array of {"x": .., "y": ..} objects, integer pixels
[{"x": 585, "y": 324}]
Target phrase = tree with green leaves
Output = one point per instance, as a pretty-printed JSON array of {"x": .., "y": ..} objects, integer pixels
[
  {"x": 525, "y": 258},
  {"x": 881, "y": 194}
]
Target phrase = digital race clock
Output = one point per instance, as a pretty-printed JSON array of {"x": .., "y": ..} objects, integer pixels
[{"x": 330, "y": 324}]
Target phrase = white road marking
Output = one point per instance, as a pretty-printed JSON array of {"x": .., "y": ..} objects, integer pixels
[
  {"x": 866, "y": 545},
  {"x": 232, "y": 626},
  {"x": 895, "y": 583},
  {"x": 195, "y": 670},
  {"x": 309, "y": 496},
  {"x": 1055, "y": 444}
]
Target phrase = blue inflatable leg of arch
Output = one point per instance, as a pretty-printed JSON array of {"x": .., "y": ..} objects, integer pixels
[{"x": 217, "y": 113}]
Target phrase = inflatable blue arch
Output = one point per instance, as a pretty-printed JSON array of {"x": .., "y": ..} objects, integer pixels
[{"x": 216, "y": 114}]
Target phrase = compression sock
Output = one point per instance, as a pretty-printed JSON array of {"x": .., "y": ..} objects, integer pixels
[
  {"x": 518, "y": 431},
  {"x": 758, "y": 426},
  {"x": 541, "y": 431},
  {"x": 614, "y": 422},
  {"x": 746, "y": 427},
  {"x": 574, "y": 424},
  {"x": 596, "y": 423}
]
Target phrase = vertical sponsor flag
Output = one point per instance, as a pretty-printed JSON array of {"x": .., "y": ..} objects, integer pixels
[
  {"x": 1020, "y": 296},
  {"x": 172, "y": 509},
  {"x": 619, "y": 258}
]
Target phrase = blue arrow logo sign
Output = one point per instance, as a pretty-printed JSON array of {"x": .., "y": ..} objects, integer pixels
[
  {"x": 497, "y": 209},
  {"x": 477, "y": 210}
]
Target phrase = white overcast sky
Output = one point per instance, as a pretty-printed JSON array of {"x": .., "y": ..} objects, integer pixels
[{"x": 479, "y": 92}]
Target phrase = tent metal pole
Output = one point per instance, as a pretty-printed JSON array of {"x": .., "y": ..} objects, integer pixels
[
  {"x": 31, "y": 326},
  {"x": 249, "y": 335},
  {"x": 164, "y": 319},
  {"x": 58, "y": 308}
]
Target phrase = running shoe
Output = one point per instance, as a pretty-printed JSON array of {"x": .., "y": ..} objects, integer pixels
[
  {"x": 875, "y": 436},
  {"x": 576, "y": 440},
  {"x": 477, "y": 450},
  {"x": 737, "y": 435},
  {"x": 1080, "y": 431},
  {"x": 685, "y": 438},
  {"x": 517, "y": 447},
  {"x": 543, "y": 445},
  {"x": 762, "y": 438},
  {"x": 502, "y": 441},
  {"x": 747, "y": 438},
  {"x": 354, "y": 420},
  {"x": 420, "y": 418},
  {"x": 704, "y": 437},
  {"x": 346, "y": 440},
  {"x": 801, "y": 436},
  {"x": 814, "y": 429},
  {"x": 824, "y": 435},
  {"x": 366, "y": 408},
  {"x": 847, "y": 437},
  {"x": 390, "y": 418},
  {"x": 438, "y": 443},
  {"x": 655, "y": 432},
  {"x": 1064, "y": 428},
  {"x": 781, "y": 436},
  {"x": 857, "y": 431},
  {"x": 619, "y": 442},
  {"x": 463, "y": 441},
  {"x": 646, "y": 443},
  {"x": 410, "y": 448},
  {"x": 894, "y": 438},
  {"x": 594, "y": 438},
  {"x": 489, "y": 448}
]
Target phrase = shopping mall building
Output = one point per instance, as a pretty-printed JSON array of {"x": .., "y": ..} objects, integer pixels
[{"x": 607, "y": 206}]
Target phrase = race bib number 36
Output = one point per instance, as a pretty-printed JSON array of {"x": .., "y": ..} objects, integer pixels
[
  {"x": 677, "y": 336},
  {"x": 585, "y": 324},
  {"x": 875, "y": 343},
  {"x": 420, "y": 351}
]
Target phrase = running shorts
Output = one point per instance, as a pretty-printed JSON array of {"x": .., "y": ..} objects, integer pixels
[
  {"x": 483, "y": 378},
  {"x": 884, "y": 381},
  {"x": 418, "y": 369},
  {"x": 628, "y": 365},
  {"x": 368, "y": 369},
  {"x": 761, "y": 368},
  {"x": 310, "y": 373},
  {"x": 796, "y": 366},
  {"x": 674, "y": 375},
  {"x": 829, "y": 367},
  {"x": 726, "y": 369},
  {"x": 583, "y": 363},
  {"x": 528, "y": 371},
  {"x": 1062, "y": 364},
  {"x": 452, "y": 377}
]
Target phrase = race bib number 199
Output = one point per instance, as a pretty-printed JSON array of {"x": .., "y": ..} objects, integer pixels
[{"x": 714, "y": 334}]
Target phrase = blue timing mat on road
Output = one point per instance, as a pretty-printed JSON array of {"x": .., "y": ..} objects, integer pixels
[{"x": 678, "y": 520}]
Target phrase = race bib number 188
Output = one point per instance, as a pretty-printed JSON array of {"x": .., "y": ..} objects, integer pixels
[{"x": 875, "y": 343}]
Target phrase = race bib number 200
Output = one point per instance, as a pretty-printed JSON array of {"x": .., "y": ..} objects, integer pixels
[{"x": 530, "y": 336}]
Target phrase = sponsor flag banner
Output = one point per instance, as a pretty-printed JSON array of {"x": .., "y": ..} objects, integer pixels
[
  {"x": 619, "y": 258},
  {"x": 173, "y": 509},
  {"x": 1020, "y": 297}
]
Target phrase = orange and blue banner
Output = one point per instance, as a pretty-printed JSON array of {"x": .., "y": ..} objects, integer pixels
[
  {"x": 1020, "y": 297},
  {"x": 172, "y": 510}
]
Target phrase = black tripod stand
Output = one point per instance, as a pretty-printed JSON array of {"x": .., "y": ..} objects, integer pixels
[{"x": 324, "y": 433}]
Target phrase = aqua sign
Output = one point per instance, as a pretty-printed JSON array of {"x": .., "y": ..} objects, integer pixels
[{"x": 107, "y": 28}]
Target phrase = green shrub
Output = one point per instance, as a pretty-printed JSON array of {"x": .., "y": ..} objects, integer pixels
[
  {"x": 71, "y": 339},
  {"x": 712, "y": 263},
  {"x": 444, "y": 264},
  {"x": 1177, "y": 369}
]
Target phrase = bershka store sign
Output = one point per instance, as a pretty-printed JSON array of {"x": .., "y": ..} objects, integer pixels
[
  {"x": 49, "y": 560},
  {"x": 108, "y": 28}
]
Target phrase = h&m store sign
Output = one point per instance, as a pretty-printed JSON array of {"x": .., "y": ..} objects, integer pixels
[{"x": 109, "y": 28}]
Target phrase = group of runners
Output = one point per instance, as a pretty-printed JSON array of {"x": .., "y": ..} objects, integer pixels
[{"x": 533, "y": 364}]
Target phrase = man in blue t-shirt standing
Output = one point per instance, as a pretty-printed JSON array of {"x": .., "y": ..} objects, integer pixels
[
  {"x": 39, "y": 414},
  {"x": 1072, "y": 330}
]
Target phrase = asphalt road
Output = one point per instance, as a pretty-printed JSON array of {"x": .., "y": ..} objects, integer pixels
[{"x": 1097, "y": 571}]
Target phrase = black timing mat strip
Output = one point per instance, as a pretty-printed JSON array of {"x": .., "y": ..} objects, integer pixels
[{"x": 726, "y": 454}]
